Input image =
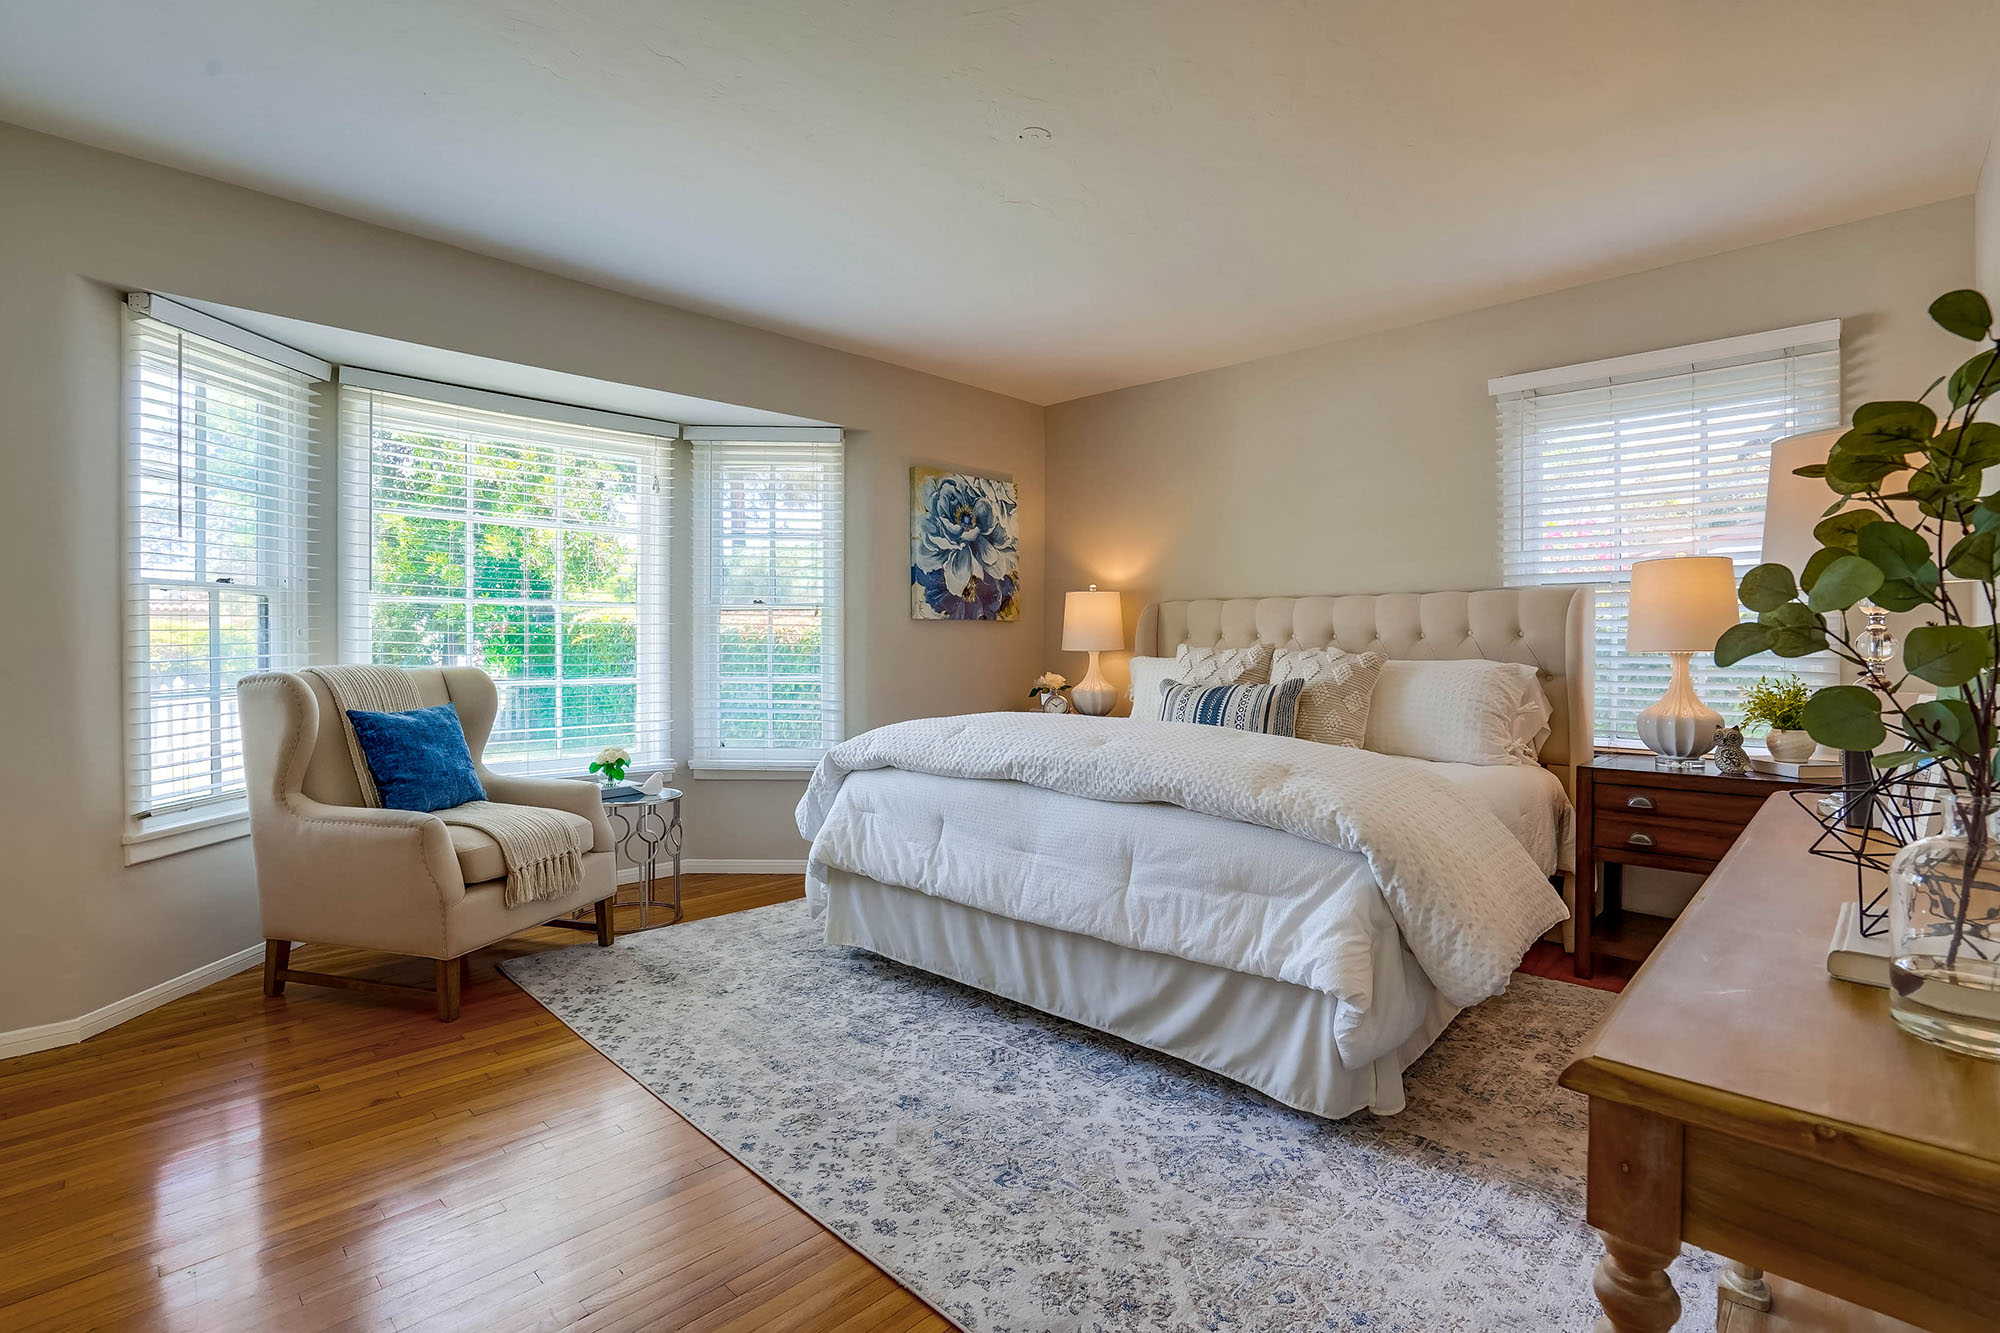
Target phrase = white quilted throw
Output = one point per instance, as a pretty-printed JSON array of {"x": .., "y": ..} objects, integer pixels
[{"x": 1466, "y": 896}]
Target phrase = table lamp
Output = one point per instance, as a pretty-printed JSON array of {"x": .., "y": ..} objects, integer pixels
[
  {"x": 1093, "y": 622},
  {"x": 1793, "y": 505},
  {"x": 1680, "y": 606}
]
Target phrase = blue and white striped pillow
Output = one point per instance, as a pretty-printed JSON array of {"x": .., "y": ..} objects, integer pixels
[{"x": 1271, "y": 709}]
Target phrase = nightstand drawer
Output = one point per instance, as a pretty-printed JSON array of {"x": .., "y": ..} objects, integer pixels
[
  {"x": 1674, "y": 803},
  {"x": 1639, "y": 832}
]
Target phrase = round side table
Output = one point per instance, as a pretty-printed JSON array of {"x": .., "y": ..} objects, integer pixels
[{"x": 655, "y": 823}]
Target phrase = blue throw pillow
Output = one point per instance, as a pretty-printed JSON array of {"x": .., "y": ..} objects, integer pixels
[
  {"x": 1271, "y": 709},
  {"x": 419, "y": 758}
]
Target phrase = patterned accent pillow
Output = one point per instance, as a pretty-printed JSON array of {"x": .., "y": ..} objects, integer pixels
[
  {"x": 1223, "y": 666},
  {"x": 1333, "y": 707},
  {"x": 1271, "y": 709}
]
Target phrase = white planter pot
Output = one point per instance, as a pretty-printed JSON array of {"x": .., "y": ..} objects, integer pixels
[{"x": 1789, "y": 747}]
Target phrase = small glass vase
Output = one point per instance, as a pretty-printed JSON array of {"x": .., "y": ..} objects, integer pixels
[{"x": 1944, "y": 936}]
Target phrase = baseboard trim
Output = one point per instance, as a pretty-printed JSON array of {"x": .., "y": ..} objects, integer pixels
[
  {"x": 26, "y": 1041},
  {"x": 709, "y": 865}
]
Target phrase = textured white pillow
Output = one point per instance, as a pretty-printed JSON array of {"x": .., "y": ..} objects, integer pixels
[
  {"x": 1147, "y": 674},
  {"x": 1333, "y": 707},
  {"x": 1459, "y": 712},
  {"x": 1223, "y": 666}
]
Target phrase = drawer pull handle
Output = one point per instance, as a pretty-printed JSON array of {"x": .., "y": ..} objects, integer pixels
[
  {"x": 1639, "y": 802},
  {"x": 1640, "y": 840}
]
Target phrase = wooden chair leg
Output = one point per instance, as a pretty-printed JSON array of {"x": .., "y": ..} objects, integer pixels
[
  {"x": 277, "y": 957},
  {"x": 448, "y": 971},
  {"x": 607, "y": 929}
]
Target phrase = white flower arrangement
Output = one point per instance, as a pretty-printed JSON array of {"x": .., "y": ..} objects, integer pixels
[
  {"x": 611, "y": 762},
  {"x": 1049, "y": 682}
]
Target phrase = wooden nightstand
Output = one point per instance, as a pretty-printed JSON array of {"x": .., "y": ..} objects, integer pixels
[{"x": 1629, "y": 813}]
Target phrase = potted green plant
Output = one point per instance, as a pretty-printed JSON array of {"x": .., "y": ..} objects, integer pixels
[
  {"x": 1910, "y": 504},
  {"x": 1781, "y": 706}
]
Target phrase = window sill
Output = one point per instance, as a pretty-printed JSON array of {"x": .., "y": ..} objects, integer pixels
[
  {"x": 701, "y": 774},
  {"x": 172, "y": 834}
]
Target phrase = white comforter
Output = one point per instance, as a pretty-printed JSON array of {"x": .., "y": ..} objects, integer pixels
[{"x": 1464, "y": 894}]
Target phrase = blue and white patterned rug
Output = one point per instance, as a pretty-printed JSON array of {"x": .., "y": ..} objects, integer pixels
[{"x": 1021, "y": 1173}]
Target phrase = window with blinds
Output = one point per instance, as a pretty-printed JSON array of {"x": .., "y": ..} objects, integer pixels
[
  {"x": 216, "y": 521},
  {"x": 1656, "y": 455},
  {"x": 531, "y": 547},
  {"x": 767, "y": 592}
]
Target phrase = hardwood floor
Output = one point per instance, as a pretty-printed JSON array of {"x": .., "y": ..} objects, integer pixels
[
  {"x": 335, "y": 1161},
  {"x": 1548, "y": 960}
]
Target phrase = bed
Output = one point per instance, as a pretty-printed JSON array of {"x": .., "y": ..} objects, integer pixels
[{"x": 1304, "y": 919}]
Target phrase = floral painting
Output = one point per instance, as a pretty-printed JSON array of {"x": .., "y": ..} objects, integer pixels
[{"x": 965, "y": 548}]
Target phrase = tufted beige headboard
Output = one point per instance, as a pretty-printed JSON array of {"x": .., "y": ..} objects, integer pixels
[{"x": 1547, "y": 627}]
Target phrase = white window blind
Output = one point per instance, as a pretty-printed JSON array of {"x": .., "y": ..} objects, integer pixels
[
  {"x": 217, "y": 530},
  {"x": 533, "y": 548},
  {"x": 1605, "y": 464},
  {"x": 767, "y": 592}
]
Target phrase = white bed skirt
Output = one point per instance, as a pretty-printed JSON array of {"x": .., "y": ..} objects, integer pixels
[{"x": 1270, "y": 1035}]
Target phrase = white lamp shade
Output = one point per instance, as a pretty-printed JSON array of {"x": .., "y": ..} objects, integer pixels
[
  {"x": 1793, "y": 505},
  {"x": 1681, "y": 604},
  {"x": 1093, "y": 622}
]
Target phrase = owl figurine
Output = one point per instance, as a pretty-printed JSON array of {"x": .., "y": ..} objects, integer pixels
[{"x": 1730, "y": 761}]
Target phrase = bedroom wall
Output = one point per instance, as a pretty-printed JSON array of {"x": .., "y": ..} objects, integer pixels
[
  {"x": 1986, "y": 221},
  {"x": 1371, "y": 465},
  {"x": 78, "y": 227}
]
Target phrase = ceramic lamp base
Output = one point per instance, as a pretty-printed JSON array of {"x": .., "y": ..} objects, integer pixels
[
  {"x": 1680, "y": 728},
  {"x": 1093, "y": 694}
]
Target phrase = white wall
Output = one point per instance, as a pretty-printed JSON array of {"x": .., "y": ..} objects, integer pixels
[
  {"x": 1372, "y": 466},
  {"x": 1986, "y": 222},
  {"x": 78, "y": 227}
]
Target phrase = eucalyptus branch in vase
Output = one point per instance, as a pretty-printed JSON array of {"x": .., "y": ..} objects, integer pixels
[{"x": 1908, "y": 509}]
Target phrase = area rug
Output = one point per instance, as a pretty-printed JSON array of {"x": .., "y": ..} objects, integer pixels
[{"x": 1019, "y": 1172}]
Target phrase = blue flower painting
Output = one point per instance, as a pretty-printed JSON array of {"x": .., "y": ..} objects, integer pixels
[{"x": 965, "y": 547}]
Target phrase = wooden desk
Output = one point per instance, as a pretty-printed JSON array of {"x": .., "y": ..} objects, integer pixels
[{"x": 1743, "y": 1101}]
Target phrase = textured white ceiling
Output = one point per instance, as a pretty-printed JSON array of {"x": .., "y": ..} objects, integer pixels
[{"x": 1205, "y": 182}]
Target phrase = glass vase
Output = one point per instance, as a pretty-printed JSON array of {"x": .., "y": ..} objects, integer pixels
[{"x": 1944, "y": 935}]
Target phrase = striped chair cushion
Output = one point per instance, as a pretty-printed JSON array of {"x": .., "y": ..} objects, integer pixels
[{"x": 1271, "y": 709}]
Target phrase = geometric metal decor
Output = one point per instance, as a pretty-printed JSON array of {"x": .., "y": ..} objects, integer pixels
[{"x": 1866, "y": 824}]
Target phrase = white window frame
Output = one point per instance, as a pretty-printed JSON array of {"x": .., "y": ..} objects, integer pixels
[
  {"x": 649, "y": 440},
  {"x": 160, "y": 825},
  {"x": 1626, "y": 399},
  {"x": 712, "y": 757}
]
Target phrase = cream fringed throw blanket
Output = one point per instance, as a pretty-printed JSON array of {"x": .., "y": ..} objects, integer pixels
[{"x": 539, "y": 847}]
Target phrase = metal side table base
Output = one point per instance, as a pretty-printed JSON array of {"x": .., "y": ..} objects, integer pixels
[{"x": 640, "y": 817}]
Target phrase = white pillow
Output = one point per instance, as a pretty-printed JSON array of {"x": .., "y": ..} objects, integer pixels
[
  {"x": 1459, "y": 712},
  {"x": 1223, "y": 666},
  {"x": 1333, "y": 708},
  {"x": 1147, "y": 675}
]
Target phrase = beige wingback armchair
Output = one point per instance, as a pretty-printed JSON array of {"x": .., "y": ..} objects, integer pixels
[{"x": 333, "y": 870}]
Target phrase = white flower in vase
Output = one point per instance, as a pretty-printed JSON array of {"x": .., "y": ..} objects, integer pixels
[{"x": 610, "y": 764}]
